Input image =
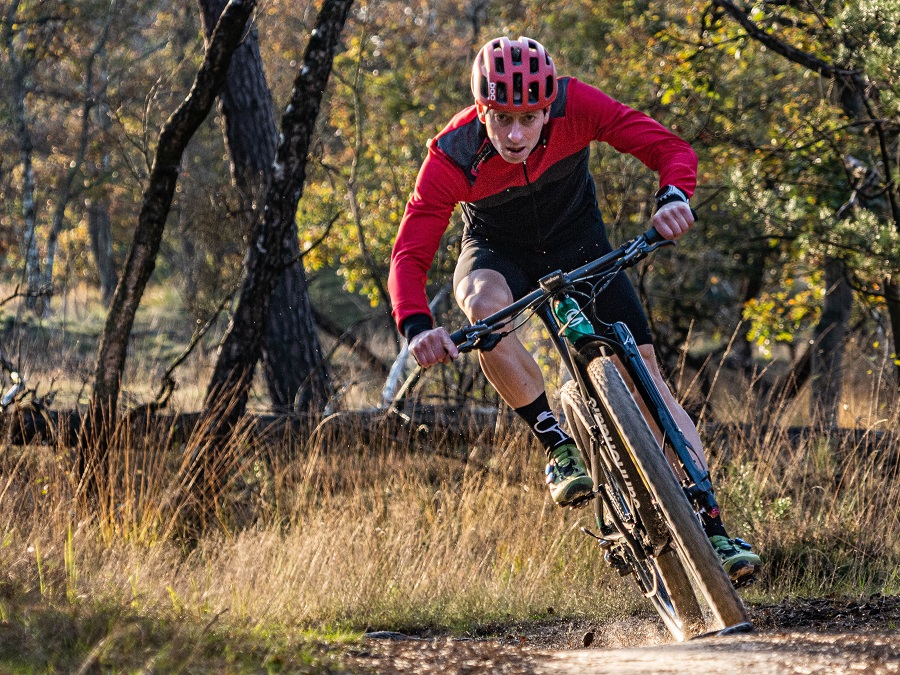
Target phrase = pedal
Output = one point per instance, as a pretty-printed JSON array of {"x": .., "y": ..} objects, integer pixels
[
  {"x": 582, "y": 501},
  {"x": 617, "y": 562}
]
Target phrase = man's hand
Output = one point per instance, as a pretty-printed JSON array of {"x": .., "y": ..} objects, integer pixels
[
  {"x": 433, "y": 346},
  {"x": 673, "y": 219}
]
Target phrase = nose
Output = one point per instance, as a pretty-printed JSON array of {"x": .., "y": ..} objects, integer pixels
[{"x": 515, "y": 131}]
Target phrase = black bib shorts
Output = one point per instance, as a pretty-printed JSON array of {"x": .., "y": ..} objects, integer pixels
[{"x": 522, "y": 267}]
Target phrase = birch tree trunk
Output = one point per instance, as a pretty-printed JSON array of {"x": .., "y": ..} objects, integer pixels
[{"x": 20, "y": 70}]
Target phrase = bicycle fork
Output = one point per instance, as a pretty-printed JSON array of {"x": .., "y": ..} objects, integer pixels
[{"x": 618, "y": 339}]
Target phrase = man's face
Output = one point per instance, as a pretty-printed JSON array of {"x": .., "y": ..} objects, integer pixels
[{"x": 514, "y": 135}]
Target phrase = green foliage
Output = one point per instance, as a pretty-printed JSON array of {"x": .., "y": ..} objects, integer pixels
[{"x": 778, "y": 316}]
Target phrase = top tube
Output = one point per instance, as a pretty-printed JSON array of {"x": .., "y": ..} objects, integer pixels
[{"x": 626, "y": 255}]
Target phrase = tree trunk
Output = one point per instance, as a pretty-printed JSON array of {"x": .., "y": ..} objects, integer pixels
[
  {"x": 828, "y": 345},
  {"x": 226, "y": 397},
  {"x": 19, "y": 79},
  {"x": 100, "y": 231},
  {"x": 296, "y": 374},
  {"x": 892, "y": 298},
  {"x": 157, "y": 201},
  {"x": 251, "y": 133},
  {"x": 290, "y": 352}
]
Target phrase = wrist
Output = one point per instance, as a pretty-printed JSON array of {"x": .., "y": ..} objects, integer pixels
[
  {"x": 669, "y": 194},
  {"x": 415, "y": 324}
]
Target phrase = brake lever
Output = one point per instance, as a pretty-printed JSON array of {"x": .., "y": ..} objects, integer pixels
[{"x": 659, "y": 244}]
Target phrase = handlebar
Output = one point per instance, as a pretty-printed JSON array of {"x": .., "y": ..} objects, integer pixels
[{"x": 480, "y": 335}]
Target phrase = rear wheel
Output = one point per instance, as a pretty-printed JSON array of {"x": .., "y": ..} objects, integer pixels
[
  {"x": 693, "y": 548},
  {"x": 656, "y": 567}
]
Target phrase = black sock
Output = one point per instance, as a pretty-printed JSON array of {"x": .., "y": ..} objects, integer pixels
[
  {"x": 712, "y": 523},
  {"x": 543, "y": 423}
]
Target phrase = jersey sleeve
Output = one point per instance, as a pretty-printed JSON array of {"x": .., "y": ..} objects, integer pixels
[
  {"x": 440, "y": 186},
  {"x": 604, "y": 119}
]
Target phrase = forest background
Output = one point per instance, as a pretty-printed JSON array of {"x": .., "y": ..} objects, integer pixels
[
  {"x": 793, "y": 111},
  {"x": 786, "y": 290}
]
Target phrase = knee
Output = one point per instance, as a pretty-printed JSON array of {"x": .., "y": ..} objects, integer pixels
[
  {"x": 479, "y": 298},
  {"x": 477, "y": 307}
]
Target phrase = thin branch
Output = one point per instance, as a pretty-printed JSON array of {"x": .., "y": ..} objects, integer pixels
[
  {"x": 168, "y": 383},
  {"x": 789, "y": 52}
]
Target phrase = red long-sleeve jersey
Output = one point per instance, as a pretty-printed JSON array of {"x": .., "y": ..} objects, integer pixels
[{"x": 534, "y": 204}]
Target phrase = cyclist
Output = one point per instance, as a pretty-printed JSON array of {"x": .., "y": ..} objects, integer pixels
[{"x": 516, "y": 162}]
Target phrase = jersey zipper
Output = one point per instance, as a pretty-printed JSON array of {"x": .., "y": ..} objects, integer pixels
[{"x": 534, "y": 208}]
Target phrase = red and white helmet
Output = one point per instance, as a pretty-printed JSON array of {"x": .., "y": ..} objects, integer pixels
[{"x": 513, "y": 76}]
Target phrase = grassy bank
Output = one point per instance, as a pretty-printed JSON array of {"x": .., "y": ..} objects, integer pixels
[{"x": 332, "y": 538}]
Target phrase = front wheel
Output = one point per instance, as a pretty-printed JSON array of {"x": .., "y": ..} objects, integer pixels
[
  {"x": 694, "y": 549},
  {"x": 655, "y": 566}
]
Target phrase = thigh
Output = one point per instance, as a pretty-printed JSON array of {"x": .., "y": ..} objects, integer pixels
[
  {"x": 479, "y": 254},
  {"x": 619, "y": 302}
]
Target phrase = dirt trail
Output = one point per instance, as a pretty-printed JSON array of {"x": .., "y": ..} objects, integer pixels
[
  {"x": 773, "y": 654},
  {"x": 826, "y": 636}
]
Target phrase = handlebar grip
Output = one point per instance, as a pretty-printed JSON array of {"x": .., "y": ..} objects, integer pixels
[
  {"x": 651, "y": 236},
  {"x": 654, "y": 237},
  {"x": 458, "y": 337}
]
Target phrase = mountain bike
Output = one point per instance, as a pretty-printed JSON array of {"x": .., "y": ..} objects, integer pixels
[{"x": 646, "y": 498}]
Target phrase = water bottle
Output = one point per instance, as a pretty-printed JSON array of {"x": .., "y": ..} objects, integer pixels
[{"x": 570, "y": 315}]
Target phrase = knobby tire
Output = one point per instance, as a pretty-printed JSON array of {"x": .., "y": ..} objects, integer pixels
[
  {"x": 674, "y": 601},
  {"x": 694, "y": 549}
]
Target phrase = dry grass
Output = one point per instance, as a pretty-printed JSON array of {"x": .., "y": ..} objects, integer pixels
[
  {"x": 354, "y": 536},
  {"x": 339, "y": 533},
  {"x": 321, "y": 536}
]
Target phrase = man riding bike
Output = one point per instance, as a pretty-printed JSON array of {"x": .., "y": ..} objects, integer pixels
[{"x": 516, "y": 162}]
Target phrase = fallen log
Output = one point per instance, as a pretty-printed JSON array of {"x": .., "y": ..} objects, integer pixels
[{"x": 426, "y": 425}]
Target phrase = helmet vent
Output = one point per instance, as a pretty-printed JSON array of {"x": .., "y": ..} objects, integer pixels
[
  {"x": 517, "y": 88},
  {"x": 516, "y": 54},
  {"x": 534, "y": 64},
  {"x": 499, "y": 64}
]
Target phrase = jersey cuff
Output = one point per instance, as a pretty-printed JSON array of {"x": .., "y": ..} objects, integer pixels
[{"x": 415, "y": 324}]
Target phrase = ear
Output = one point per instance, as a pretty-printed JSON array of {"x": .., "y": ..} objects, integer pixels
[
  {"x": 482, "y": 112},
  {"x": 546, "y": 112}
]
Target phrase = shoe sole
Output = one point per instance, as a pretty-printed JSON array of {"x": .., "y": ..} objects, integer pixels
[
  {"x": 742, "y": 574},
  {"x": 576, "y": 493}
]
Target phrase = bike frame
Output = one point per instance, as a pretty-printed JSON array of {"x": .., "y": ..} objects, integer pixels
[{"x": 615, "y": 339}]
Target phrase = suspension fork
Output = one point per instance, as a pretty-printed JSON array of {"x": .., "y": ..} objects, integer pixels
[
  {"x": 700, "y": 490},
  {"x": 619, "y": 340}
]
